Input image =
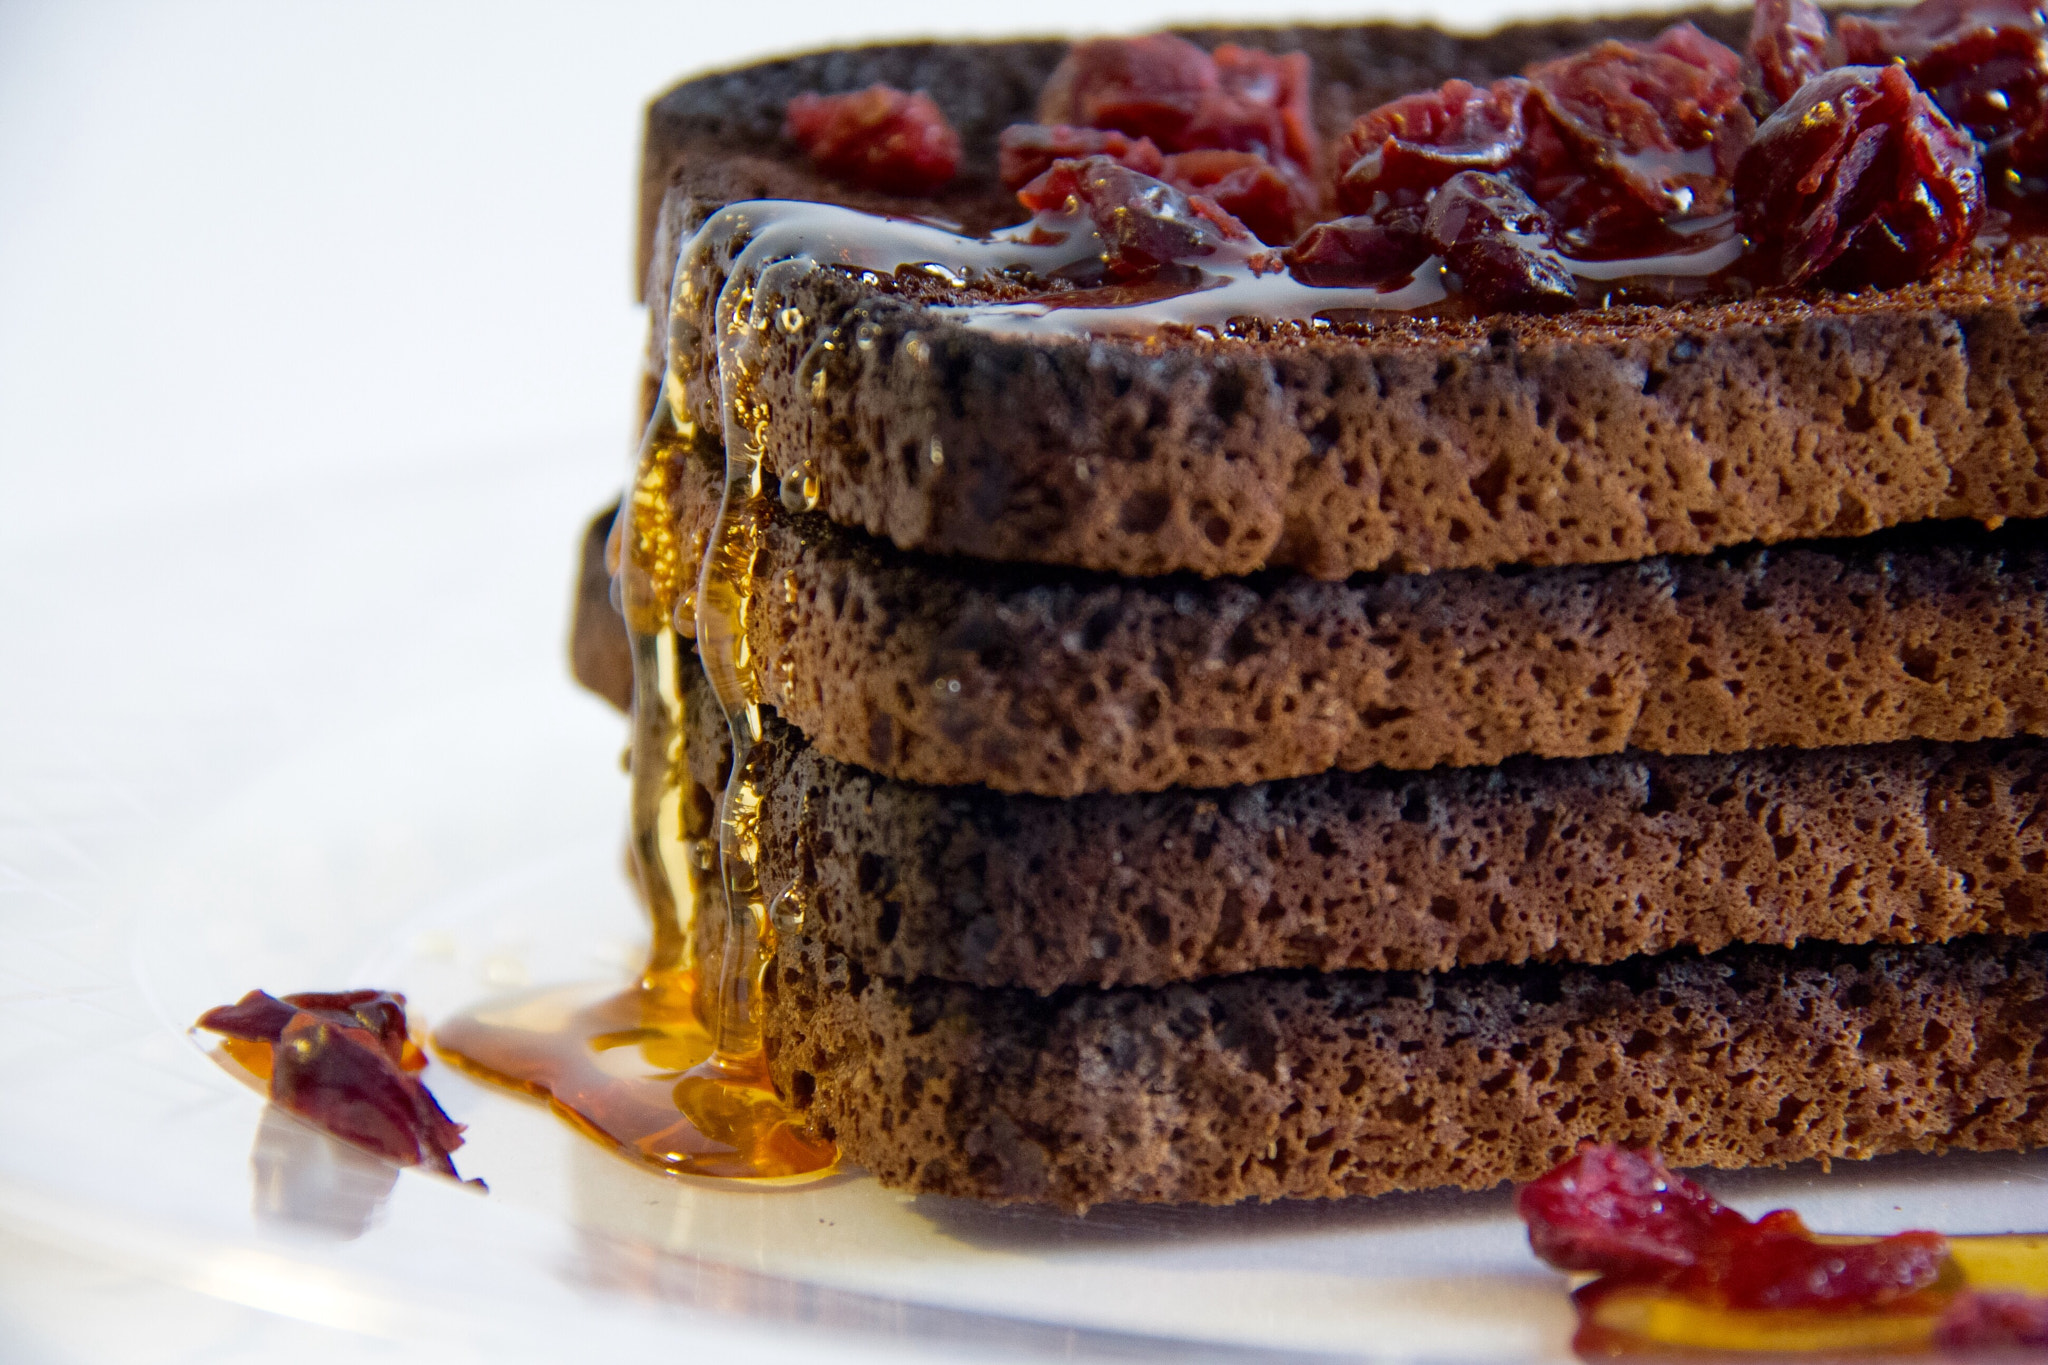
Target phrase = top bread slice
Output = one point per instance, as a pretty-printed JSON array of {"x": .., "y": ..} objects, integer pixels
[{"x": 1405, "y": 443}]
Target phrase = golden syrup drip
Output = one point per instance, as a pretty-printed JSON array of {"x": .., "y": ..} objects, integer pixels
[
  {"x": 670, "y": 1072},
  {"x": 745, "y": 312},
  {"x": 1639, "y": 1320},
  {"x": 630, "y": 1070},
  {"x": 655, "y": 567},
  {"x": 801, "y": 487},
  {"x": 253, "y": 1057}
]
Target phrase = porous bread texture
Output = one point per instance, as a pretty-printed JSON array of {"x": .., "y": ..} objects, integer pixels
[
  {"x": 1400, "y": 442},
  {"x": 945, "y": 673},
  {"x": 1408, "y": 443},
  {"x": 1272, "y": 1086},
  {"x": 1584, "y": 861}
]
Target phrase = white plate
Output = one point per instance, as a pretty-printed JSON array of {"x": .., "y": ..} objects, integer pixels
[
  {"x": 283, "y": 574},
  {"x": 331, "y": 753}
]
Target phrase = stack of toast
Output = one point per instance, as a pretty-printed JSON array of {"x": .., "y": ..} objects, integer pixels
[{"x": 1311, "y": 761}]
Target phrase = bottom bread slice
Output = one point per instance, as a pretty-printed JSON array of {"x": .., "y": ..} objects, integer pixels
[{"x": 1303, "y": 1085}]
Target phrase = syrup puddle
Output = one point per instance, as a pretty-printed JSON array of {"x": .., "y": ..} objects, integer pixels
[{"x": 626, "y": 1069}]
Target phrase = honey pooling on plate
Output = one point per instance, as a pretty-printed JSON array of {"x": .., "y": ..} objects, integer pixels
[{"x": 671, "y": 1071}]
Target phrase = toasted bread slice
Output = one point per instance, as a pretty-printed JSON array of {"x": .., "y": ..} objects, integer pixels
[
  {"x": 1588, "y": 860},
  {"x": 1399, "y": 441},
  {"x": 940, "y": 672},
  {"x": 1272, "y": 1085}
]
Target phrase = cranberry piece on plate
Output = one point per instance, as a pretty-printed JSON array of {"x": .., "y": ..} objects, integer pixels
[
  {"x": 344, "y": 1061},
  {"x": 1760, "y": 1268},
  {"x": 1983, "y": 1321},
  {"x": 1266, "y": 199},
  {"x": 1788, "y": 41},
  {"x": 1145, "y": 224},
  {"x": 1624, "y": 1215},
  {"x": 1411, "y": 145},
  {"x": 1619, "y": 1212},
  {"x": 880, "y": 138},
  {"x": 1360, "y": 251},
  {"x": 1499, "y": 243},
  {"x": 1625, "y": 135},
  {"x": 1026, "y": 150},
  {"x": 1859, "y": 181},
  {"x": 342, "y": 1080}
]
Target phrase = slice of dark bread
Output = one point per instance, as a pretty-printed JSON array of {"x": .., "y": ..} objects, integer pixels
[
  {"x": 1588, "y": 860},
  {"x": 938, "y": 672},
  {"x": 1404, "y": 442},
  {"x": 1270, "y": 1086}
]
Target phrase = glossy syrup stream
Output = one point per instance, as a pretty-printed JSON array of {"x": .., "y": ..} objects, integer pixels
[{"x": 671, "y": 1072}]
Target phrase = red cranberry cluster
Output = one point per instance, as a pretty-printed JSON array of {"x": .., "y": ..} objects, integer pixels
[
  {"x": 1231, "y": 125},
  {"x": 1868, "y": 169},
  {"x": 1626, "y": 1217},
  {"x": 1623, "y": 1215},
  {"x": 1147, "y": 226},
  {"x": 344, "y": 1062},
  {"x": 881, "y": 137}
]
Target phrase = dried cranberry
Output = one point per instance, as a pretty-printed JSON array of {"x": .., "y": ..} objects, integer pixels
[
  {"x": 257, "y": 1017},
  {"x": 1184, "y": 99},
  {"x": 381, "y": 1012},
  {"x": 1788, "y": 41},
  {"x": 1499, "y": 244},
  {"x": 1146, "y": 87},
  {"x": 1759, "y": 1269},
  {"x": 1980, "y": 1321},
  {"x": 1360, "y": 251},
  {"x": 343, "y": 1060},
  {"x": 1858, "y": 181},
  {"x": 1984, "y": 62},
  {"x": 1628, "y": 134},
  {"x": 1907, "y": 35},
  {"x": 880, "y": 138},
  {"x": 1623, "y": 1213},
  {"x": 342, "y": 1080},
  {"x": 1026, "y": 150},
  {"x": 1417, "y": 142},
  {"x": 1272, "y": 203},
  {"x": 1145, "y": 224},
  {"x": 1260, "y": 105}
]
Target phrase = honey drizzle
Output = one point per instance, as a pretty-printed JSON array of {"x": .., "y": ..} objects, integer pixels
[{"x": 671, "y": 1072}]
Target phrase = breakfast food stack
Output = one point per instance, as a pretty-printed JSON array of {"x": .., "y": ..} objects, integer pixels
[{"x": 1437, "y": 598}]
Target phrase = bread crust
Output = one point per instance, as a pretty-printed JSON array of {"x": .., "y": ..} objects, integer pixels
[
  {"x": 940, "y": 672},
  {"x": 1401, "y": 442},
  {"x": 1565, "y": 860},
  {"x": 1272, "y": 1086}
]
